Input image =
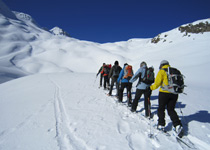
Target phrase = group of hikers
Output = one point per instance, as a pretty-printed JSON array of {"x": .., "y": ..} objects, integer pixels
[{"x": 124, "y": 78}]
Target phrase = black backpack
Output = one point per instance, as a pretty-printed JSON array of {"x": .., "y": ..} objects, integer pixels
[
  {"x": 106, "y": 70},
  {"x": 175, "y": 81},
  {"x": 116, "y": 71},
  {"x": 149, "y": 76}
]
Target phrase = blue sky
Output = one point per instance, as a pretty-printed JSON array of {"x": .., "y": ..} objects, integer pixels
[{"x": 105, "y": 21}]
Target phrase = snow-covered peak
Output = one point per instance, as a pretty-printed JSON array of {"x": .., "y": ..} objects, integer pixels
[
  {"x": 24, "y": 17},
  {"x": 59, "y": 31}
]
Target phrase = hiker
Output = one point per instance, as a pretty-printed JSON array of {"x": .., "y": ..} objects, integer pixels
[
  {"x": 125, "y": 75},
  {"x": 101, "y": 73},
  {"x": 105, "y": 71},
  {"x": 141, "y": 89},
  {"x": 166, "y": 100},
  {"x": 114, "y": 74}
]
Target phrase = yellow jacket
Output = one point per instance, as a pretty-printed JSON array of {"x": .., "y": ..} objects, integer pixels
[{"x": 161, "y": 80}]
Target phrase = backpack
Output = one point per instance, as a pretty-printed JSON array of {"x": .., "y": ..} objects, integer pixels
[
  {"x": 106, "y": 70},
  {"x": 149, "y": 76},
  {"x": 175, "y": 81},
  {"x": 116, "y": 71},
  {"x": 128, "y": 72}
]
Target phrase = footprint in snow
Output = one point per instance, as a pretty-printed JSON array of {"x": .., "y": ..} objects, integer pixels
[{"x": 123, "y": 127}]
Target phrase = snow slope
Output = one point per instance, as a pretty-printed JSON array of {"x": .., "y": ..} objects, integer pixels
[
  {"x": 67, "y": 111},
  {"x": 54, "y": 101}
]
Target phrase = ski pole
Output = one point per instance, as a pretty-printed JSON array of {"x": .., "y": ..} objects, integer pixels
[
  {"x": 149, "y": 111},
  {"x": 182, "y": 114},
  {"x": 149, "y": 105}
]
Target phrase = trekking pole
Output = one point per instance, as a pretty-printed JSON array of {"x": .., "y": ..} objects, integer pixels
[
  {"x": 149, "y": 110},
  {"x": 182, "y": 114},
  {"x": 149, "y": 107}
]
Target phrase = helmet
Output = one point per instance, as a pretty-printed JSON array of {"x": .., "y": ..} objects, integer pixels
[{"x": 163, "y": 62}]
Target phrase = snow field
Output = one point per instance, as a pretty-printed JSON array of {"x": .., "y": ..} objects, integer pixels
[{"x": 68, "y": 111}]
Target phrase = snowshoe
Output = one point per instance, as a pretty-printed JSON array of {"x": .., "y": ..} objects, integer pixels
[{"x": 179, "y": 131}]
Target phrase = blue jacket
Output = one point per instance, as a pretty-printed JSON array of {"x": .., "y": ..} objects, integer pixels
[
  {"x": 141, "y": 85},
  {"x": 121, "y": 75}
]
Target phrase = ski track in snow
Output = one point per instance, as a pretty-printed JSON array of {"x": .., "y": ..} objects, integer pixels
[{"x": 65, "y": 136}]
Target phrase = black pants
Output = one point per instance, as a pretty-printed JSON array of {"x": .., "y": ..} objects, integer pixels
[
  {"x": 106, "y": 81},
  {"x": 146, "y": 101},
  {"x": 114, "y": 80},
  {"x": 167, "y": 100},
  {"x": 121, "y": 89}
]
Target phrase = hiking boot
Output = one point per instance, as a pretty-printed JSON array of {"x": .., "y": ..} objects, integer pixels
[
  {"x": 160, "y": 127},
  {"x": 179, "y": 131}
]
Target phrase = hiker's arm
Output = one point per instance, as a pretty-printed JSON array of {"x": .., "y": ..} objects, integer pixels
[
  {"x": 120, "y": 76},
  {"x": 158, "y": 81},
  {"x": 99, "y": 70},
  {"x": 136, "y": 76}
]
